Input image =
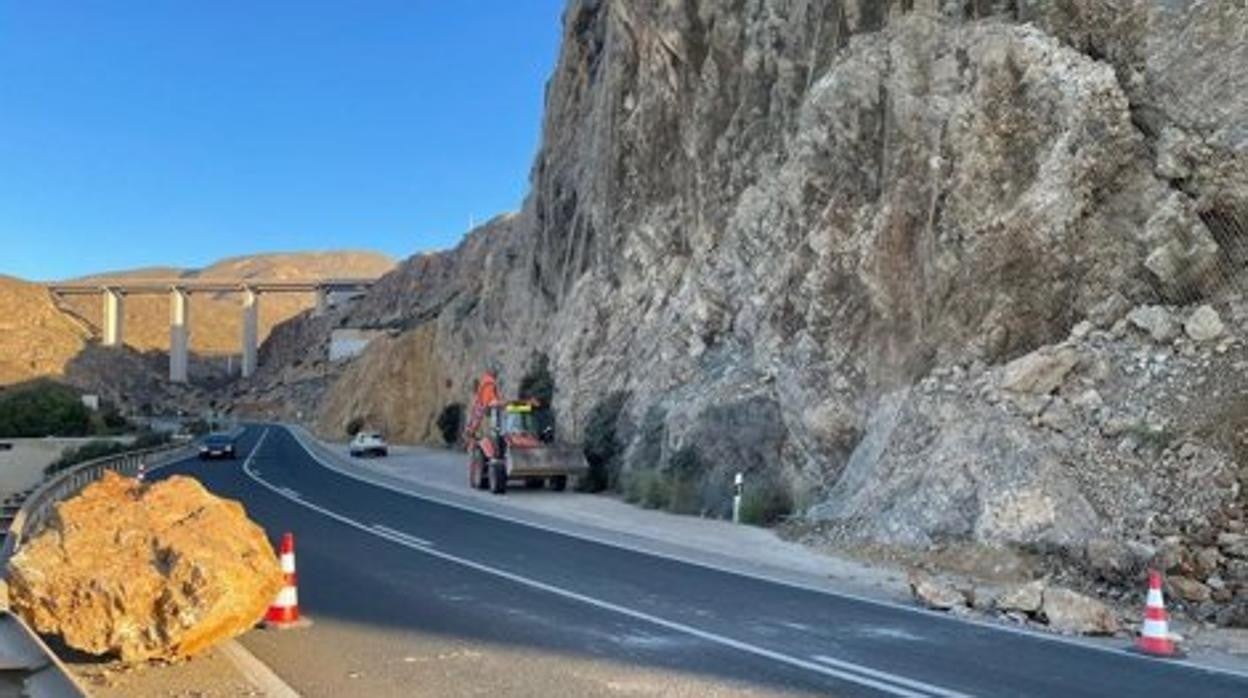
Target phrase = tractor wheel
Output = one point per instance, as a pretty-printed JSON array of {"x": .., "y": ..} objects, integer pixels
[
  {"x": 559, "y": 483},
  {"x": 477, "y": 477},
  {"x": 534, "y": 483},
  {"x": 498, "y": 477}
]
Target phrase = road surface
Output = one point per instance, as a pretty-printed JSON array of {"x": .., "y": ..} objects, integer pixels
[{"x": 413, "y": 597}]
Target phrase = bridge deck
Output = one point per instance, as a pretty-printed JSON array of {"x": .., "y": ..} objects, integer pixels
[{"x": 151, "y": 286}]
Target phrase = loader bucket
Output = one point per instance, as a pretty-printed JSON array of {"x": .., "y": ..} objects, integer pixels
[{"x": 546, "y": 461}]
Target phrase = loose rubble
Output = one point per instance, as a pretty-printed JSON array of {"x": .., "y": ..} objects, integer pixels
[{"x": 1110, "y": 453}]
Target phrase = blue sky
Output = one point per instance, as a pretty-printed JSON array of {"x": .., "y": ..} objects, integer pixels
[{"x": 174, "y": 132}]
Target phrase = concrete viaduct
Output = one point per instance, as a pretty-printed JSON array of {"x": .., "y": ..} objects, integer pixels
[{"x": 114, "y": 294}]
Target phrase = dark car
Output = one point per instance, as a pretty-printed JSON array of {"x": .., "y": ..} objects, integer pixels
[
  {"x": 217, "y": 446},
  {"x": 5, "y": 446}
]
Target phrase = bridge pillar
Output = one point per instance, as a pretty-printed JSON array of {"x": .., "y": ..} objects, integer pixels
[
  {"x": 179, "y": 334},
  {"x": 114, "y": 317},
  {"x": 322, "y": 301},
  {"x": 251, "y": 330}
]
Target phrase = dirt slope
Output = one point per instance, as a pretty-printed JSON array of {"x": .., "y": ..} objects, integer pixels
[{"x": 36, "y": 339}]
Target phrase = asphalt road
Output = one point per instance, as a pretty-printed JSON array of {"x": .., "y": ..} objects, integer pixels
[{"x": 413, "y": 597}]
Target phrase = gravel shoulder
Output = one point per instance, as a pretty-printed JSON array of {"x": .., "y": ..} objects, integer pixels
[{"x": 740, "y": 548}]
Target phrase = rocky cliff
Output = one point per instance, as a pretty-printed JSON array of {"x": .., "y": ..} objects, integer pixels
[{"x": 757, "y": 225}]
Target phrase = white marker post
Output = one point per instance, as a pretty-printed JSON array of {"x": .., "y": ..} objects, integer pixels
[{"x": 738, "y": 485}]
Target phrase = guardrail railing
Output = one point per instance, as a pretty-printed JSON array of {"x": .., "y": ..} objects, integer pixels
[
  {"x": 67, "y": 483},
  {"x": 21, "y": 649}
]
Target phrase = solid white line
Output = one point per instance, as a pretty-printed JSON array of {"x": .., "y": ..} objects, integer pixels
[
  {"x": 256, "y": 672},
  {"x": 289, "y": 492},
  {"x": 917, "y": 685},
  {"x": 605, "y": 605},
  {"x": 758, "y": 576},
  {"x": 407, "y": 537},
  {"x": 255, "y": 449}
]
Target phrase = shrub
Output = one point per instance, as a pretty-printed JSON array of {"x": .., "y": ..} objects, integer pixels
[
  {"x": 44, "y": 409},
  {"x": 538, "y": 383},
  {"x": 150, "y": 439},
  {"x": 451, "y": 423},
  {"x": 602, "y": 443},
  {"x": 647, "y": 450},
  {"x": 198, "y": 427},
  {"x": 765, "y": 503},
  {"x": 88, "y": 451},
  {"x": 354, "y": 425},
  {"x": 100, "y": 448},
  {"x": 113, "y": 420},
  {"x": 673, "y": 488},
  {"x": 644, "y": 487},
  {"x": 683, "y": 471}
]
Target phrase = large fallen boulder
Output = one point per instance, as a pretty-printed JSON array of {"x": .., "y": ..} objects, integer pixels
[{"x": 160, "y": 571}]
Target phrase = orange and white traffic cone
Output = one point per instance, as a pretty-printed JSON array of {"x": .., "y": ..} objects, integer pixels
[
  {"x": 1155, "y": 636},
  {"x": 284, "y": 611}
]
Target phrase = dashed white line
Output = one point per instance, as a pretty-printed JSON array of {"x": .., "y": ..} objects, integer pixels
[
  {"x": 926, "y": 688},
  {"x": 936, "y": 616},
  {"x": 862, "y": 676},
  {"x": 400, "y": 536}
]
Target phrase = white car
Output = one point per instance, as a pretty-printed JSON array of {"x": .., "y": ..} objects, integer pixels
[{"x": 368, "y": 443}]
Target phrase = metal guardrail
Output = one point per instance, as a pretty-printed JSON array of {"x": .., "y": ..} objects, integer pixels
[
  {"x": 67, "y": 483},
  {"x": 24, "y": 656}
]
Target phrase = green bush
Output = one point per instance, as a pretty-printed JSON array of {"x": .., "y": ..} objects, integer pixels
[
  {"x": 43, "y": 409},
  {"x": 112, "y": 419},
  {"x": 451, "y": 423},
  {"x": 647, "y": 452},
  {"x": 682, "y": 471},
  {"x": 673, "y": 488},
  {"x": 765, "y": 503},
  {"x": 88, "y": 451},
  {"x": 645, "y": 488},
  {"x": 538, "y": 383},
  {"x": 602, "y": 443},
  {"x": 198, "y": 427},
  {"x": 100, "y": 448},
  {"x": 354, "y": 426}
]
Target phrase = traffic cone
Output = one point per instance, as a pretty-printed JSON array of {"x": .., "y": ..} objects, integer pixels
[
  {"x": 1155, "y": 636},
  {"x": 284, "y": 611}
]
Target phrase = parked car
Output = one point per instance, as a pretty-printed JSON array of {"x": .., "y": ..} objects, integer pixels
[
  {"x": 4, "y": 446},
  {"x": 217, "y": 446},
  {"x": 368, "y": 443}
]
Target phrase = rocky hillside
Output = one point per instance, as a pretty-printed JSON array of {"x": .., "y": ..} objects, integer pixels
[
  {"x": 216, "y": 319},
  {"x": 768, "y": 232},
  {"x": 36, "y": 339}
]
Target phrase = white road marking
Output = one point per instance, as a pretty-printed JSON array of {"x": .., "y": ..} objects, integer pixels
[
  {"x": 875, "y": 680},
  {"x": 917, "y": 685},
  {"x": 289, "y": 492},
  {"x": 938, "y": 616},
  {"x": 257, "y": 673},
  {"x": 388, "y": 532}
]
